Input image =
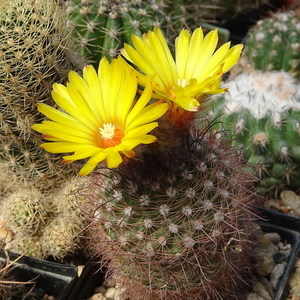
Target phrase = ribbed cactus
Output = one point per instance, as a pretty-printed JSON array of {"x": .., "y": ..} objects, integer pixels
[
  {"x": 273, "y": 44},
  {"x": 102, "y": 27},
  {"x": 45, "y": 226},
  {"x": 177, "y": 222},
  {"x": 25, "y": 211},
  {"x": 61, "y": 234},
  {"x": 262, "y": 110},
  {"x": 35, "y": 51}
]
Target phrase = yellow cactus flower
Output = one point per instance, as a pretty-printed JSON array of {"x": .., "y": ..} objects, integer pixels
[
  {"x": 101, "y": 118},
  {"x": 196, "y": 71}
]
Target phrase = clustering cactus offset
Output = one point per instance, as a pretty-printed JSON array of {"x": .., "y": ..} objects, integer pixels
[
  {"x": 28, "y": 244},
  {"x": 273, "y": 44},
  {"x": 61, "y": 235},
  {"x": 45, "y": 225},
  {"x": 25, "y": 211},
  {"x": 178, "y": 222},
  {"x": 262, "y": 110},
  {"x": 102, "y": 27},
  {"x": 35, "y": 51}
]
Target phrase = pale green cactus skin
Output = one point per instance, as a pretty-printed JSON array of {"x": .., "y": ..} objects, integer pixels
[
  {"x": 173, "y": 225},
  {"x": 274, "y": 44},
  {"x": 262, "y": 111},
  {"x": 25, "y": 211},
  {"x": 36, "y": 50}
]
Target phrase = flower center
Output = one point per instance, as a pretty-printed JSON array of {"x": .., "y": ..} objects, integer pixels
[
  {"x": 183, "y": 82},
  {"x": 108, "y": 131},
  {"x": 110, "y": 135}
]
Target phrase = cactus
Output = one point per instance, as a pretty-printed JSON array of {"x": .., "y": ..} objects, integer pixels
[
  {"x": 61, "y": 234},
  {"x": 262, "y": 110},
  {"x": 170, "y": 211},
  {"x": 177, "y": 221},
  {"x": 45, "y": 225},
  {"x": 25, "y": 211},
  {"x": 102, "y": 27},
  {"x": 30, "y": 245},
  {"x": 36, "y": 50},
  {"x": 60, "y": 237},
  {"x": 273, "y": 44}
]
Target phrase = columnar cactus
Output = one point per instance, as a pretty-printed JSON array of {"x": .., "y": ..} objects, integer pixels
[
  {"x": 35, "y": 51},
  {"x": 262, "y": 110},
  {"x": 273, "y": 44},
  {"x": 102, "y": 27}
]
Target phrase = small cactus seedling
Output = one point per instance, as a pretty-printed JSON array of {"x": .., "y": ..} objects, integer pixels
[
  {"x": 102, "y": 27},
  {"x": 273, "y": 44},
  {"x": 35, "y": 51},
  {"x": 262, "y": 110}
]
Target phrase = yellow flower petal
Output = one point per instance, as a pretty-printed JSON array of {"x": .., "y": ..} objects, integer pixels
[
  {"x": 101, "y": 117},
  {"x": 113, "y": 159},
  {"x": 195, "y": 71}
]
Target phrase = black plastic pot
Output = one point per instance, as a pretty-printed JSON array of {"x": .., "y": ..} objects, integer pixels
[
  {"x": 92, "y": 276},
  {"x": 54, "y": 279},
  {"x": 289, "y": 229}
]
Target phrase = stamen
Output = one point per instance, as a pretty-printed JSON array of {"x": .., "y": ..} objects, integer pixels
[
  {"x": 110, "y": 135},
  {"x": 183, "y": 82},
  {"x": 108, "y": 131}
]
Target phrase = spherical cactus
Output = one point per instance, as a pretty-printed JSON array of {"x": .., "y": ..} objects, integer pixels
[
  {"x": 30, "y": 245},
  {"x": 273, "y": 44},
  {"x": 262, "y": 110},
  {"x": 25, "y": 211},
  {"x": 175, "y": 224},
  {"x": 61, "y": 236},
  {"x": 36, "y": 50},
  {"x": 102, "y": 27}
]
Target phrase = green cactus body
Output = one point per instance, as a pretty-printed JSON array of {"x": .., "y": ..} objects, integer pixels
[
  {"x": 273, "y": 44},
  {"x": 177, "y": 224},
  {"x": 30, "y": 245},
  {"x": 102, "y": 27},
  {"x": 60, "y": 236},
  {"x": 25, "y": 211},
  {"x": 35, "y": 51},
  {"x": 262, "y": 110}
]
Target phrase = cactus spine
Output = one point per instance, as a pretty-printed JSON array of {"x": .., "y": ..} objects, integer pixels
[
  {"x": 262, "y": 110},
  {"x": 35, "y": 51},
  {"x": 102, "y": 27}
]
